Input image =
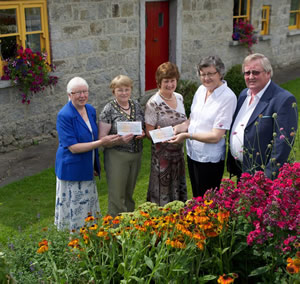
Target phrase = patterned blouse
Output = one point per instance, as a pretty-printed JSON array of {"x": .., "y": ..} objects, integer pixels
[{"x": 112, "y": 113}]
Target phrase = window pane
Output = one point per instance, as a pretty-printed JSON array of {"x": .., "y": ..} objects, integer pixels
[
  {"x": 293, "y": 19},
  {"x": 33, "y": 19},
  {"x": 8, "y": 47},
  {"x": 295, "y": 4},
  {"x": 161, "y": 19},
  {"x": 244, "y": 7},
  {"x": 33, "y": 42},
  {"x": 8, "y": 21},
  {"x": 236, "y": 8}
]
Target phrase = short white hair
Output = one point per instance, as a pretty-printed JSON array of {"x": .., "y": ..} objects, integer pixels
[{"x": 76, "y": 81}]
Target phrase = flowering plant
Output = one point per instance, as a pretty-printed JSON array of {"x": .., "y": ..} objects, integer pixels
[
  {"x": 30, "y": 70},
  {"x": 247, "y": 233},
  {"x": 244, "y": 33}
]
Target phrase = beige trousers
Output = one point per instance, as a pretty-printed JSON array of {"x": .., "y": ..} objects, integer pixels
[{"x": 122, "y": 169}]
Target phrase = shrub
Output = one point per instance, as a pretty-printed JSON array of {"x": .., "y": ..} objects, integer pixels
[
  {"x": 235, "y": 79},
  {"x": 187, "y": 89}
]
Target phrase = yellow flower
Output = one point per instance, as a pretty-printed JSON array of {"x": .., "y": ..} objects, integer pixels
[
  {"x": 42, "y": 249},
  {"x": 89, "y": 218},
  {"x": 208, "y": 202},
  {"x": 93, "y": 227}
]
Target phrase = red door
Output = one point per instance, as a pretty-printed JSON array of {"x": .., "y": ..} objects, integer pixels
[{"x": 157, "y": 39}]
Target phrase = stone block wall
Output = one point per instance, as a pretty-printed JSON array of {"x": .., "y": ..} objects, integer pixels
[
  {"x": 96, "y": 40},
  {"x": 100, "y": 39},
  {"x": 207, "y": 30}
]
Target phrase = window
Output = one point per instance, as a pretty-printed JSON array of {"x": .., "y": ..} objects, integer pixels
[
  {"x": 23, "y": 23},
  {"x": 241, "y": 11},
  {"x": 294, "y": 15},
  {"x": 265, "y": 20}
]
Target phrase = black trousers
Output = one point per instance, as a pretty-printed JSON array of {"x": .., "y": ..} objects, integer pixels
[{"x": 204, "y": 176}]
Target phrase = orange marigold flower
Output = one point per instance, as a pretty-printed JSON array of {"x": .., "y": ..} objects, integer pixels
[
  {"x": 117, "y": 220},
  {"x": 140, "y": 228},
  {"x": 211, "y": 233},
  {"x": 93, "y": 227},
  {"x": 292, "y": 268},
  {"x": 225, "y": 279},
  {"x": 102, "y": 233},
  {"x": 107, "y": 218},
  {"x": 43, "y": 243},
  {"x": 89, "y": 218},
  {"x": 145, "y": 214},
  {"x": 73, "y": 243},
  {"x": 223, "y": 216},
  {"x": 43, "y": 249},
  {"x": 200, "y": 245}
]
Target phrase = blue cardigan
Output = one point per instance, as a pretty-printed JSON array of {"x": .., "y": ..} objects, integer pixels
[{"x": 71, "y": 130}]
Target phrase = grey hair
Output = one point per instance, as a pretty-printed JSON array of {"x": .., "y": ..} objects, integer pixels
[
  {"x": 76, "y": 81},
  {"x": 212, "y": 60},
  {"x": 264, "y": 61}
]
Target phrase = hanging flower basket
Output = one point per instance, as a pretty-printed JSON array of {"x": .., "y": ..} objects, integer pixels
[
  {"x": 245, "y": 34},
  {"x": 30, "y": 71}
]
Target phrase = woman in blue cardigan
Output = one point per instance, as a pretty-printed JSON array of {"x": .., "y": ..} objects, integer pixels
[{"x": 77, "y": 160}]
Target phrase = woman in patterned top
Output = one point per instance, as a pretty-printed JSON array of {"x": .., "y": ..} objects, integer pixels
[
  {"x": 122, "y": 162},
  {"x": 77, "y": 159},
  {"x": 165, "y": 108}
]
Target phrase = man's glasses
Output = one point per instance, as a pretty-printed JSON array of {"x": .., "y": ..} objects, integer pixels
[
  {"x": 209, "y": 75},
  {"x": 78, "y": 93},
  {"x": 253, "y": 72}
]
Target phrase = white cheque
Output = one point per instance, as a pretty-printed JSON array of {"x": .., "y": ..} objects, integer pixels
[
  {"x": 161, "y": 134},
  {"x": 127, "y": 127}
]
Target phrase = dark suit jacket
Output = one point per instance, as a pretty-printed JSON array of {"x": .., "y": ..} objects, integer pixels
[
  {"x": 268, "y": 136},
  {"x": 71, "y": 130}
]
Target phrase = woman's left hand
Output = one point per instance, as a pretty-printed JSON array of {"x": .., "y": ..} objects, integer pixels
[
  {"x": 177, "y": 139},
  {"x": 141, "y": 136}
]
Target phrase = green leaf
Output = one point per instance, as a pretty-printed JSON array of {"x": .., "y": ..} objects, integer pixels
[
  {"x": 259, "y": 271},
  {"x": 209, "y": 277},
  {"x": 149, "y": 262},
  {"x": 121, "y": 268}
]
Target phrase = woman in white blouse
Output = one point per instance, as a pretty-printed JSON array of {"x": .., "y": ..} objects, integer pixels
[{"x": 212, "y": 109}]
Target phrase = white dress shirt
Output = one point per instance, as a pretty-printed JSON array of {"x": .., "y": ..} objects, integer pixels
[
  {"x": 240, "y": 123},
  {"x": 216, "y": 112}
]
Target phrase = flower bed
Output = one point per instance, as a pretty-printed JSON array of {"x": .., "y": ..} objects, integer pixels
[{"x": 245, "y": 234}]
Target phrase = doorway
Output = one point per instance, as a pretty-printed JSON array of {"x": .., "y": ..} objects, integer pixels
[{"x": 157, "y": 39}]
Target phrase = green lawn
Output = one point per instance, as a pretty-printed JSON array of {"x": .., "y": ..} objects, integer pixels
[{"x": 28, "y": 205}]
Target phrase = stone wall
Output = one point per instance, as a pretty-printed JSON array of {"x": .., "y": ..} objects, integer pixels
[
  {"x": 207, "y": 30},
  {"x": 96, "y": 40},
  {"x": 99, "y": 39}
]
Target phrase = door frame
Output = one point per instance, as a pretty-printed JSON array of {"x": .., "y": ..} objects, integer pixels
[{"x": 175, "y": 33}]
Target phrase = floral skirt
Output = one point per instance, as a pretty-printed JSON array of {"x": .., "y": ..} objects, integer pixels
[{"x": 75, "y": 200}]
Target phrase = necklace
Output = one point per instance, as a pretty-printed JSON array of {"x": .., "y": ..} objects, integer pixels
[
  {"x": 123, "y": 108},
  {"x": 166, "y": 99}
]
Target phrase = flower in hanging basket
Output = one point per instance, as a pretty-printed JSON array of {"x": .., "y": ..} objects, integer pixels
[
  {"x": 30, "y": 71},
  {"x": 245, "y": 34}
]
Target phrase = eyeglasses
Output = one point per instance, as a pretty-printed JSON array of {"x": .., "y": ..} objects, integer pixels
[
  {"x": 78, "y": 93},
  {"x": 253, "y": 72},
  {"x": 209, "y": 75}
]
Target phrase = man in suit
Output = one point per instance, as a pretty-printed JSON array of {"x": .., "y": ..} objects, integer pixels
[{"x": 264, "y": 124}]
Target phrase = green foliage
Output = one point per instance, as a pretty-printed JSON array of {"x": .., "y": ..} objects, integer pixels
[
  {"x": 235, "y": 79},
  {"x": 187, "y": 89}
]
